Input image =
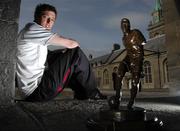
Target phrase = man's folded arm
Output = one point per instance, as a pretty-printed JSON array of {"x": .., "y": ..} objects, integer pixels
[{"x": 62, "y": 41}]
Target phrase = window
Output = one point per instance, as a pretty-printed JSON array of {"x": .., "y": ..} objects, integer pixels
[
  {"x": 99, "y": 63},
  {"x": 98, "y": 81},
  {"x": 147, "y": 72},
  {"x": 115, "y": 69},
  {"x": 166, "y": 74},
  {"x": 98, "y": 77},
  {"x": 105, "y": 77}
]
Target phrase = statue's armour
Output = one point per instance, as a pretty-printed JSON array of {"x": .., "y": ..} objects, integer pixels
[{"x": 133, "y": 44}]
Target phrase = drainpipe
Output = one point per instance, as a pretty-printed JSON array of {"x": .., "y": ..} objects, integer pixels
[{"x": 159, "y": 68}]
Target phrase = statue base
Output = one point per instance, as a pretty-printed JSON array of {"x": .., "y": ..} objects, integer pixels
[{"x": 123, "y": 119}]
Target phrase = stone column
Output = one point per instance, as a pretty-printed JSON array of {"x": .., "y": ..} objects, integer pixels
[
  {"x": 172, "y": 31},
  {"x": 9, "y": 17}
]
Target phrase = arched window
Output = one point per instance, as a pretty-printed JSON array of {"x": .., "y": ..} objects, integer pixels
[
  {"x": 105, "y": 77},
  {"x": 156, "y": 34},
  {"x": 115, "y": 69},
  {"x": 147, "y": 72}
]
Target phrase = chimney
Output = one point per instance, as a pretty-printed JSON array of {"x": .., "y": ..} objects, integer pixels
[
  {"x": 116, "y": 46},
  {"x": 90, "y": 56}
]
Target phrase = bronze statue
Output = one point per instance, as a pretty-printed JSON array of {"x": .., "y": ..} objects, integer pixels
[
  {"x": 121, "y": 117},
  {"x": 133, "y": 41}
]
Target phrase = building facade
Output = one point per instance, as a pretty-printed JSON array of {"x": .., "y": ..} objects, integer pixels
[
  {"x": 155, "y": 59},
  {"x": 156, "y": 25}
]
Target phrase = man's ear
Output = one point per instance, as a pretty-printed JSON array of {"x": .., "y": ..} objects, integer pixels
[{"x": 37, "y": 20}]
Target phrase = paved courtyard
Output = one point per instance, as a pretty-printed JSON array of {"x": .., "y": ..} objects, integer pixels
[{"x": 66, "y": 114}]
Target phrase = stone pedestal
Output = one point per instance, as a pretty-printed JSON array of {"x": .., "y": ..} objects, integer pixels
[
  {"x": 123, "y": 119},
  {"x": 172, "y": 31},
  {"x": 9, "y": 14}
]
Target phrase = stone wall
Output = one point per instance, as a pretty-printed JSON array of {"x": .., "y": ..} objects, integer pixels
[
  {"x": 9, "y": 16},
  {"x": 172, "y": 30}
]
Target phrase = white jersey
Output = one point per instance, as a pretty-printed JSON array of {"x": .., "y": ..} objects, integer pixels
[{"x": 32, "y": 45}]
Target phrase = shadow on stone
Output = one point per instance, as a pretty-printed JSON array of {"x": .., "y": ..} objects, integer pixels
[
  {"x": 123, "y": 119},
  {"x": 177, "y": 3}
]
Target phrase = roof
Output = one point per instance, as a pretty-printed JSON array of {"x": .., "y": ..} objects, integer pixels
[
  {"x": 156, "y": 44},
  {"x": 100, "y": 59},
  {"x": 114, "y": 55},
  {"x": 108, "y": 57}
]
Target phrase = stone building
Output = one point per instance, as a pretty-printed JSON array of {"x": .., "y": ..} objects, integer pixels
[
  {"x": 155, "y": 59},
  {"x": 172, "y": 31},
  {"x": 156, "y": 26}
]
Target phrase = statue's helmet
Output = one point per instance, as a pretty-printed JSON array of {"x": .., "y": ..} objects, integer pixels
[
  {"x": 125, "y": 25},
  {"x": 125, "y": 20}
]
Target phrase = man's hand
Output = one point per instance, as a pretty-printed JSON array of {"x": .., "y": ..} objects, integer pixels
[{"x": 64, "y": 50}]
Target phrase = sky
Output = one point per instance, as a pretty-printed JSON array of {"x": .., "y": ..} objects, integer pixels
[{"x": 95, "y": 24}]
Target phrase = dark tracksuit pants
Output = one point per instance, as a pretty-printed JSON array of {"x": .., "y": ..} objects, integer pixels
[{"x": 71, "y": 69}]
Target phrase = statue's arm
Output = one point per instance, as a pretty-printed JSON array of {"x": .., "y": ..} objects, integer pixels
[{"x": 140, "y": 37}]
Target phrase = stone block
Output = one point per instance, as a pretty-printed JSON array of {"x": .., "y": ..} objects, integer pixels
[
  {"x": 9, "y": 10},
  {"x": 8, "y": 37},
  {"x": 7, "y": 83}
]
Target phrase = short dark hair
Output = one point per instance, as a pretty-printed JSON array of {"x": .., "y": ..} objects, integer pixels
[{"x": 43, "y": 7}]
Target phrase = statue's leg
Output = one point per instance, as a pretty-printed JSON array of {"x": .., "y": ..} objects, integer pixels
[
  {"x": 133, "y": 93},
  {"x": 114, "y": 101},
  {"x": 134, "y": 89},
  {"x": 121, "y": 72}
]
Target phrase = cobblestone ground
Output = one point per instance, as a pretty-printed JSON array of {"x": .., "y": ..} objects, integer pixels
[
  {"x": 66, "y": 114},
  {"x": 71, "y": 115}
]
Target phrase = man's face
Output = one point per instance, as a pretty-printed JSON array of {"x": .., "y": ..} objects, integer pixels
[{"x": 47, "y": 19}]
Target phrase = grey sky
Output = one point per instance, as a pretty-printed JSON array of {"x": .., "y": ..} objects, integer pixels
[{"x": 94, "y": 23}]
